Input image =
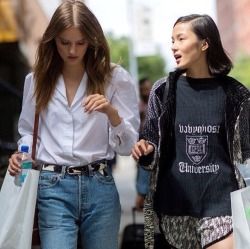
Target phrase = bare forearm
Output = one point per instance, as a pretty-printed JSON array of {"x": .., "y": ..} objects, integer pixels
[{"x": 114, "y": 117}]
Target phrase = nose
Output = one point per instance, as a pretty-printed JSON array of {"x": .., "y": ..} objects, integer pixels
[
  {"x": 173, "y": 46},
  {"x": 72, "y": 49}
]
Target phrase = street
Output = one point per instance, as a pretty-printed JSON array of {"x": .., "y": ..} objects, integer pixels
[{"x": 125, "y": 177}]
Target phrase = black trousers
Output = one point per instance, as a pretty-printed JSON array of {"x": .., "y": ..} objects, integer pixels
[{"x": 161, "y": 242}]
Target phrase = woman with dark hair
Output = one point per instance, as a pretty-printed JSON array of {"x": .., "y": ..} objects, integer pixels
[
  {"x": 193, "y": 141},
  {"x": 85, "y": 117}
]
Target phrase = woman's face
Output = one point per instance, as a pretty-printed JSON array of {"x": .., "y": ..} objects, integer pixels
[
  {"x": 188, "y": 50},
  {"x": 72, "y": 46}
]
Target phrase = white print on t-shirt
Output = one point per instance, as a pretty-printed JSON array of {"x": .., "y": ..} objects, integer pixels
[
  {"x": 194, "y": 129},
  {"x": 185, "y": 168},
  {"x": 196, "y": 148}
]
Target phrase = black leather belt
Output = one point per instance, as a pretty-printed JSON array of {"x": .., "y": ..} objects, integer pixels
[{"x": 76, "y": 170}]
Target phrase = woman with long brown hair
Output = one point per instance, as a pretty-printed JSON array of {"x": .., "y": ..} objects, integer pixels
[{"x": 88, "y": 111}]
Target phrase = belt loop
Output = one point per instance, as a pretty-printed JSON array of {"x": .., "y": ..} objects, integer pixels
[
  {"x": 63, "y": 172},
  {"x": 90, "y": 170}
]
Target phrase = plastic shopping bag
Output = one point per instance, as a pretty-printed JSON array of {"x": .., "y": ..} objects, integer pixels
[
  {"x": 240, "y": 201},
  {"x": 17, "y": 207}
]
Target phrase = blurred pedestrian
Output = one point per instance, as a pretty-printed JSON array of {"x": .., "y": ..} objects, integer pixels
[
  {"x": 85, "y": 117},
  {"x": 193, "y": 141},
  {"x": 142, "y": 175},
  {"x": 13, "y": 69}
]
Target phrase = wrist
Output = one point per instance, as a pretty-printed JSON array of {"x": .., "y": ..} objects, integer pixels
[{"x": 114, "y": 117}]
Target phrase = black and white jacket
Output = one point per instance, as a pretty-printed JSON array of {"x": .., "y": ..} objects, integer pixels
[{"x": 159, "y": 128}]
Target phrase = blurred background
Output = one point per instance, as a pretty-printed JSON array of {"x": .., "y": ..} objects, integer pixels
[{"x": 139, "y": 34}]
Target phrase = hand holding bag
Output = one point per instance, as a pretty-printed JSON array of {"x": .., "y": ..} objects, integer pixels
[
  {"x": 240, "y": 201},
  {"x": 17, "y": 207}
]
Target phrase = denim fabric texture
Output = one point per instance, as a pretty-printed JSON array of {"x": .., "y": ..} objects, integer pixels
[
  {"x": 142, "y": 181},
  {"x": 88, "y": 204}
]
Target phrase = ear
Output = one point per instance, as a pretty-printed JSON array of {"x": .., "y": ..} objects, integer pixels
[{"x": 204, "y": 45}]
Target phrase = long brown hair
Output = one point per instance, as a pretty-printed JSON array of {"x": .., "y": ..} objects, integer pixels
[{"x": 49, "y": 64}]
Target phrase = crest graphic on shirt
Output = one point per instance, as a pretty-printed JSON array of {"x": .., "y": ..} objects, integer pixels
[{"x": 196, "y": 148}]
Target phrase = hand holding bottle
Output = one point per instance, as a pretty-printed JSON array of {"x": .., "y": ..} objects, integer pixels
[
  {"x": 14, "y": 166},
  {"x": 19, "y": 164}
]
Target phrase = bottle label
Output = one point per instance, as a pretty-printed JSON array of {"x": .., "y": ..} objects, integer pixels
[{"x": 26, "y": 166}]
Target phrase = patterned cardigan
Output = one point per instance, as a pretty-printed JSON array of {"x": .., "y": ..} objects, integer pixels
[{"x": 159, "y": 128}]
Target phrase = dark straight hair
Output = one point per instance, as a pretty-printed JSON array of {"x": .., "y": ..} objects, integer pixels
[{"x": 205, "y": 28}]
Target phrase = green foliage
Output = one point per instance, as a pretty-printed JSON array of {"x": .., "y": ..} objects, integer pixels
[
  {"x": 152, "y": 67},
  {"x": 241, "y": 71},
  {"x": 119, "y": 50}
]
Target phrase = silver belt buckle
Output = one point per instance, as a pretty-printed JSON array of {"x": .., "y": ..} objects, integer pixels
[
  {"x": 75, "y": 171},
  {"x": 48, "y": 167}
]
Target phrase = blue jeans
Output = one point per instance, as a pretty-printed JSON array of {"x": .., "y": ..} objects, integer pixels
[
  {"x": 142, "y": 180},
  {"x": 79, "y": 203}
]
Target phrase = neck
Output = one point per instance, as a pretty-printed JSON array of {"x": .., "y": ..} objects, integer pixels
[
  {"x": 72, "y": 76},
  {"x": 73, "y": 72},
  {"x": 200, "y": 69}
]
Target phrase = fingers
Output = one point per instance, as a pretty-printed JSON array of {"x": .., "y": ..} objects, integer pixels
[
  {"x": 95, "y": 102},
  {"x": 14, "y": 167},
  {"x": 141, "y": 148},
  {"x": 142, "y": 144},
  {"x": 136, "y": 152}
]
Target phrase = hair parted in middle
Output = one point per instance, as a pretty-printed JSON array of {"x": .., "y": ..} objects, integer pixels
[{"x": 49, "y": 64}]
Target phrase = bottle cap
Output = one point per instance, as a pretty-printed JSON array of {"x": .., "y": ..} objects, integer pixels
[{"x": 25, "y": 148}]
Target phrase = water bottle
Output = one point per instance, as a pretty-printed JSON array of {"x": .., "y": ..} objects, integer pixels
[{"x": 26, "y": 165}]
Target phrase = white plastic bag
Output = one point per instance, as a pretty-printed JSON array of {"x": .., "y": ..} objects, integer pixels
[
  {"x": 240, "y": 201},
  {"x": 17, "y": 207}
]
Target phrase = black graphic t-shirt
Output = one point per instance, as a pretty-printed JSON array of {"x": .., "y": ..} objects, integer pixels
[{"x": 200, "y": 178}]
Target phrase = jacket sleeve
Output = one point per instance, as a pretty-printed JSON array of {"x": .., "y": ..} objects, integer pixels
[
  {"x": 151, "y": 129},
  {"x": 244, "y": 123}
]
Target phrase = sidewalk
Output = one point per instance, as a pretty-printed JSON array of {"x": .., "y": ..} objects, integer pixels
[{"x": 125, "y": 177}]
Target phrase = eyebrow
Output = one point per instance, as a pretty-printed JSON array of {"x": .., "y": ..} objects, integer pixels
[
  {"x": 178, "y": 35},
  {"x": 70, "y": 41}
]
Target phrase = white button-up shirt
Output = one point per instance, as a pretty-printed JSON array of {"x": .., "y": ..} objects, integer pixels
[{"x": 69, "y": 136}]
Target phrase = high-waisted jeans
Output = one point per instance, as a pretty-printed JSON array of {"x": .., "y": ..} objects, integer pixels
[{"x": 88, "y": 204}]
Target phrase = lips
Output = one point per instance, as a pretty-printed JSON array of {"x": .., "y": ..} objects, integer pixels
[{"x": 177, "y": 58}]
